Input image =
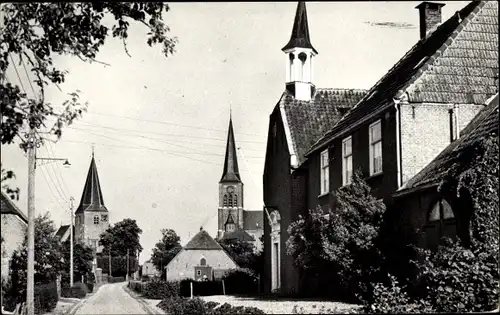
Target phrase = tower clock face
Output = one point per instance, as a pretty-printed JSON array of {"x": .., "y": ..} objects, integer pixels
[{"x": 230, "y": 189}]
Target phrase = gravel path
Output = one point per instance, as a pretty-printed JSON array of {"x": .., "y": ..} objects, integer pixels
[{"x": 111, "y": 299}]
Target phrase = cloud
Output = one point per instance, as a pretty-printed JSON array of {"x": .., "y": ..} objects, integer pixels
[{"x": 400, "y": 25}]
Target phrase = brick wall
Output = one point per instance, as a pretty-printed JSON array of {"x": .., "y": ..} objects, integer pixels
[
  {"x": 13, "y": 233},
  {"x": 426, "y": 131}
]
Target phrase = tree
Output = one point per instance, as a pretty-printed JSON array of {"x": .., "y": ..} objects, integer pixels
[
  {"x": 82, "y": 259},
  {"x": 48, "y": 257},
  {"x": 34, "y": 32},
  {"x": 243, "y": 253},
  {"x": 8, "y": 175},
  {"x": 338, "y": 245},
  {"x": 122, "y": 237},
  {"x": 166, "y": 249}
]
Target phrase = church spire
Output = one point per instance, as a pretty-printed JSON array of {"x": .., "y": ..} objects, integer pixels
[
  {"x": 300, "y": 32},
  {"x": 300, "y": 56},
  {"x": 231, "y": 172},
  {"x": 92, "y": 195}
]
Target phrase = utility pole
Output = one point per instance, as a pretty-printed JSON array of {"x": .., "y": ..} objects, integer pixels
[
  {"x": 109, "y": 256},
  {"x": 31, "y": 223},
  {"x": 127, "y": 264},
  {"x": 71, "y": 242}
]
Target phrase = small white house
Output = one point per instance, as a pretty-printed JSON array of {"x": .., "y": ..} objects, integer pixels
[
  {"x": 202, "y": 253},
  {"x": 148, "y": 269}
]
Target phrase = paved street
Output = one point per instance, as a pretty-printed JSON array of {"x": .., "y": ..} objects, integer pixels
[{"x": 111, "y": 299}]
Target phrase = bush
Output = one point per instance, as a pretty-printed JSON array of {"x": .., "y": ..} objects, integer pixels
[
  {"x": 136, "y": 286},
  {"x": 180, "y": 305},
  {"x": 90, "y": 287},
  {"x": 115, "y": 279},
  {"x": 46, "y": 297},
  {"x": 240, "y": 281},
  {"x": 159, "y": 289},
  {"x": 78, "y": 290}
]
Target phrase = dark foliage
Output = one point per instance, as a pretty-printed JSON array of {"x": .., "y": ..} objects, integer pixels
[
  {"x": 166, "y": 249},
  {"x": 78, "y": 290},
  {"x": 240, "y": 281},
  {"x": 160, "y": 289},
  {"x": 122, "y": 236},
  {"x": 180, "y": 305},
  {"x": 200, "y": 288},
  {"x": 118, "y": 264}
]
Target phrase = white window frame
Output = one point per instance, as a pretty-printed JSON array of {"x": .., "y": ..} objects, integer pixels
[
  {"x": 96, "y": 219},
  {"x": 346, "y": 158},
  {"x": 373, "y": 143},
  {"x": 324, "y": 172}
]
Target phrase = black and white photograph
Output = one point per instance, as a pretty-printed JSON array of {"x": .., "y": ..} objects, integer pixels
[{"x": 220, "y": 158}]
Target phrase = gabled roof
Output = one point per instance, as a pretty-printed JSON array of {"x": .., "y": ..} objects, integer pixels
[
  {"x": 484, "y": 124},
  {"x": 253, "y": 220},
  {"x": 239, "y": 234},
  {"x": 92, "y": 195},
  {"x": 231, "y": 171},
  {"x": 300, "y": 32},
  {"x": 62, "y": 230},
  {"x": 230, "y": 219},
  {"x": 202, "y": 240},
  {"x": 457, "y": 63},
  {"x": 8, "y": 207},
  {"x": 306, "y": 121}
]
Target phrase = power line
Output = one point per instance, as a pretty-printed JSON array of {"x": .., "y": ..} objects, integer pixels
[
  {"x": 27, "y": 75},
  {"x": 17, "y": 72},
  {"x": 51, "y": 191},
  {"x": 169, "y": 123},
  {"x": 57, "y": 175},
  {"x": 161, "y": 133}
]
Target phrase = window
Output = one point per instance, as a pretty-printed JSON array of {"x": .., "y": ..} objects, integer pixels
[
  {"x": 230, "y": 227},
  {"x": 104, "y": 217},
  {"x": 440, "y": 223},
  {"x": 230, "y": 197},
  {"x": 325, "y": 174},
  {"x": 203, "y": 262},
  {"x": 198, "y": 272},
  {"x": 225, "y": 201},
  {"x": 235, "y": 200},
  {"x": 375, "y": 148},
  {"x": 347, "y": 161},
  {"x": 96, "y": 219}
]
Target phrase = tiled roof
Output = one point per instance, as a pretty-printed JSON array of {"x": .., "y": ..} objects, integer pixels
[
  {"x": 253, "y": 220},
  {"x": 202, "y": 240},
  {"x": 62, "y": 230},
  {"x": 457, "y": 63},
  {"x": 309, "y": 120},
  {"x": 92, "y": 195},
  {"x": 8, "y": 207},
  {"x": 484, "y": 124},
  {"x": 239, "y": 234},
  {"x": 300, "y": 32},
  {"x": 231, "y": 171}
]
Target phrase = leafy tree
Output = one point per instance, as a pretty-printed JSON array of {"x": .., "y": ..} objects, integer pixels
[
  {"x": 166, "y": 249},
  {"x": 48, "y": 256},
  {"x": 122, "y": 236},
  {"x": 82, "y": 259},
  {"x": 243, "y": 253},
  {"x": 8, "y": 175},
  {"x": 338, "y": 245},
  {"x": 35, "y": 32}
]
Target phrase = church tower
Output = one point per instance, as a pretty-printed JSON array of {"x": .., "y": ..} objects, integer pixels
[
  {"x": 91, "y": 216},
  {"x": 230, "y": 212},
  {"x": 300, "y": 58}
]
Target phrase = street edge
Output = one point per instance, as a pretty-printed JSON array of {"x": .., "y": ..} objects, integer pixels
[
  {"x": 75, "y": 307},
  {"x": 141, "y": 301}
]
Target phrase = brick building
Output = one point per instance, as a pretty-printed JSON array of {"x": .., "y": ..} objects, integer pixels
[
  {"x": 394, "y": 130},
  {"x": 233, "y": 220},
  {"x": 302, "y": 114},
  {"x": 14, "y": 226}
]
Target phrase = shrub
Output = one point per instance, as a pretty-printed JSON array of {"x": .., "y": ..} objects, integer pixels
[
  {"x": 200, "y": 288},
  {"x": 159, "y": 289},
  {"x": 115, "y": 279},
  {"x": 78, "y": 290},
  {"x": 181, "y": 305},
  {"x": 136, "y": 286},
  {"x": 240, "y": 281},
  {"x": 90, "y": 287},
  {"x": 46, "y": 297}
]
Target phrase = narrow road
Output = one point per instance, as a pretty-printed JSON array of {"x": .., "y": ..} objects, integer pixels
[{"x": 111, "y": 299}]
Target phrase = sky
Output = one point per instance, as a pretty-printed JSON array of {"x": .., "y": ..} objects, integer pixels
[{"x": 159, "y": 125}]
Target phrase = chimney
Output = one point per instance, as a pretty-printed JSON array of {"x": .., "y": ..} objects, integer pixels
[{"x": 430, "y": 16}]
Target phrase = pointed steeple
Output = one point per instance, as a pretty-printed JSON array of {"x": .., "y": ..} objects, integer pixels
[
  {"x": 92, "y": 195},
  {"x": 231, "y": 172},
  {"x": 300, "y": 32}
]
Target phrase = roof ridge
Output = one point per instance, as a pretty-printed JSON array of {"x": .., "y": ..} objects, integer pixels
[{"x": 432, "y": 58}]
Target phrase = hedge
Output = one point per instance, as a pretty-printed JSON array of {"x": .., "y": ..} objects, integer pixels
[
  {"x": 181, "y": 305},
  {"x": 78, "y": 290},
  {"x": 200, "y": 288},
  {"x": 240, "y": 281},
  {"x": 45, "y": 295}
]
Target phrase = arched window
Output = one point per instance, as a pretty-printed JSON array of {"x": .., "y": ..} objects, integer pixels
[
  {"x": 235, "y": 200},
  {"x": 203, "y": 262},
  {"x": 225, "y": 201},
  {"x": 440, "y": 223},
  {"x": 302, "y": 57},
  {"x": 292, "y": 75},
  {"x": 230, "y": 200}
]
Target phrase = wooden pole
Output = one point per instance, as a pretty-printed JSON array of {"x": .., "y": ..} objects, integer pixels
[
  {"x": 71, "y": 242},
  {"x": 223, "y": 287},
  {"x": 30, "y": 307},
  {"x": 126, "y": 278},
  {"x": 191, "y": 285},
  {"x": 109, "y": 257}
]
